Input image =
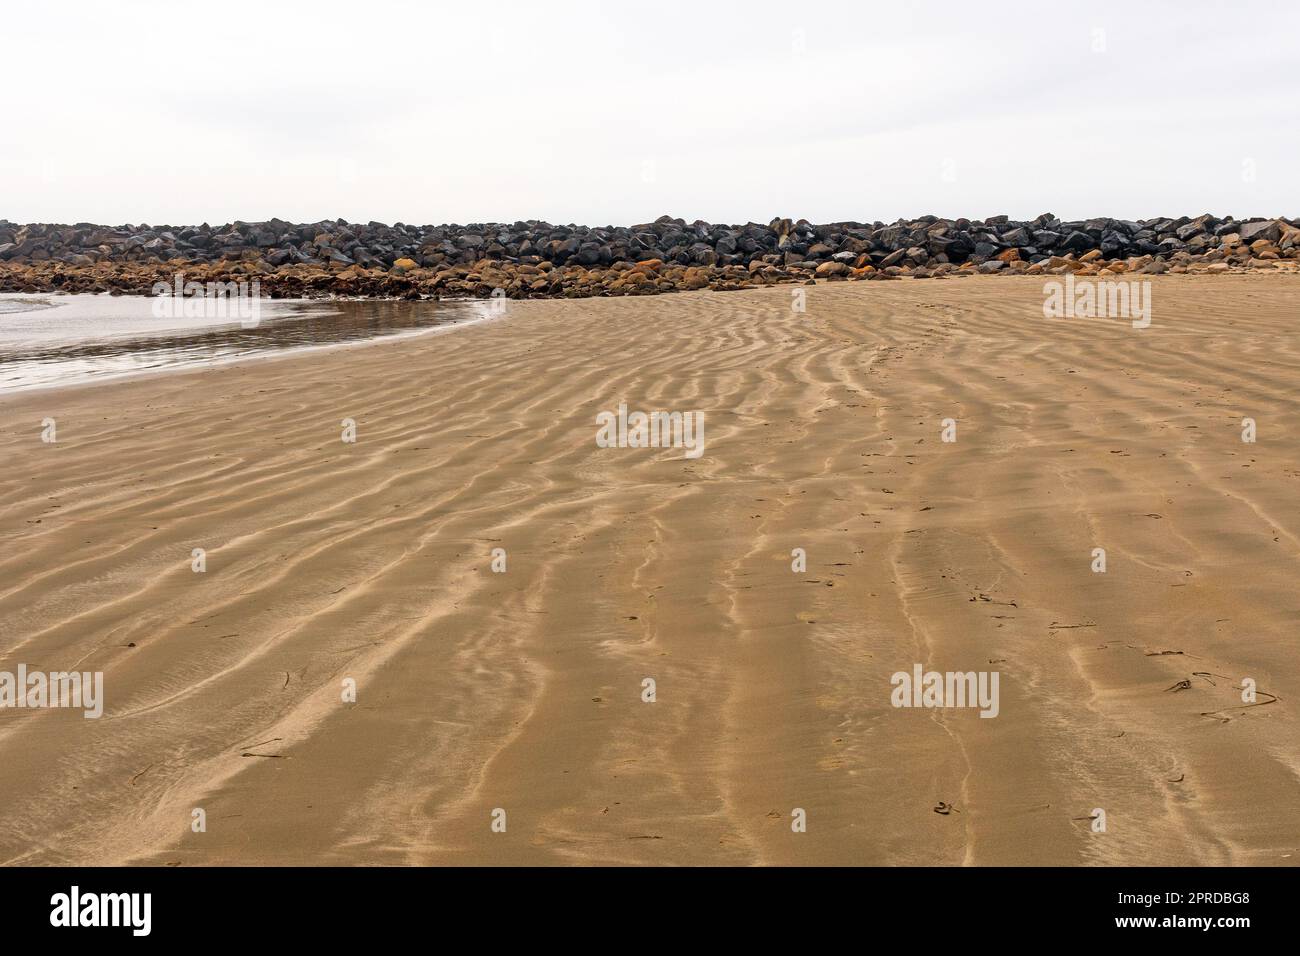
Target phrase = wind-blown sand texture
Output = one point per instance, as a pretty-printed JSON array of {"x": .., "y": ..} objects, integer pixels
[{"x": 478, "y": 690}]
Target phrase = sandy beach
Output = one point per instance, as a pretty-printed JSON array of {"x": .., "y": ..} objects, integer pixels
[{"x": 477, "y": 691}]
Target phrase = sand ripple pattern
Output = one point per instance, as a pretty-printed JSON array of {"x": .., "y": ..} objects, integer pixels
[{"x": 522, "y": 690}]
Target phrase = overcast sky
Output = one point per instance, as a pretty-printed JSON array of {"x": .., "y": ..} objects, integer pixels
[{"x": 603, "y": 113}]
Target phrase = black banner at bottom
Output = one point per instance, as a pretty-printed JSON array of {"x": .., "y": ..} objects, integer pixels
[{"x": 1225, "y": 907}]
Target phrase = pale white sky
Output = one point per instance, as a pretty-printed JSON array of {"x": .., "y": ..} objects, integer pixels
[{"x": 602, "y": 113}]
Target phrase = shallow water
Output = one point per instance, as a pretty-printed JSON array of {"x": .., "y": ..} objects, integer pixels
[{"x": 48, "y": 341}]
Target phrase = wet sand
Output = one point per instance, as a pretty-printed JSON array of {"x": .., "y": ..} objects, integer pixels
[
  {"x": 523, "y": 690},
  {"x": 50, "y": 341}
]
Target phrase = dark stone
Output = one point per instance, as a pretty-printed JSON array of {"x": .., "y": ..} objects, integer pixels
[
  {"x": 61, "y": 256},
  {"x": 1265, "y": 229},
  {"x": 1078, "y": 241}
]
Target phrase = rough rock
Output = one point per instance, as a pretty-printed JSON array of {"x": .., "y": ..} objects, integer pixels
[{"x": 538, "y": 259}]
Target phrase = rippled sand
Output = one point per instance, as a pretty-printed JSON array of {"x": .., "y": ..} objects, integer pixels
[{"x": 522, "y": 691}]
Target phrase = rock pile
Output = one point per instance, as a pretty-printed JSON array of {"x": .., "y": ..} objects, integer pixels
[{"x": 540, "y": 260}]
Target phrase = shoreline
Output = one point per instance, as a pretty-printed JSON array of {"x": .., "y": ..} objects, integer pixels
[{"x": 193, "y": 334}]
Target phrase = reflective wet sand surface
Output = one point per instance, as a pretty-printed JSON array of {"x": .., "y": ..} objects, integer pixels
[{"x": 53, "y": 340}]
